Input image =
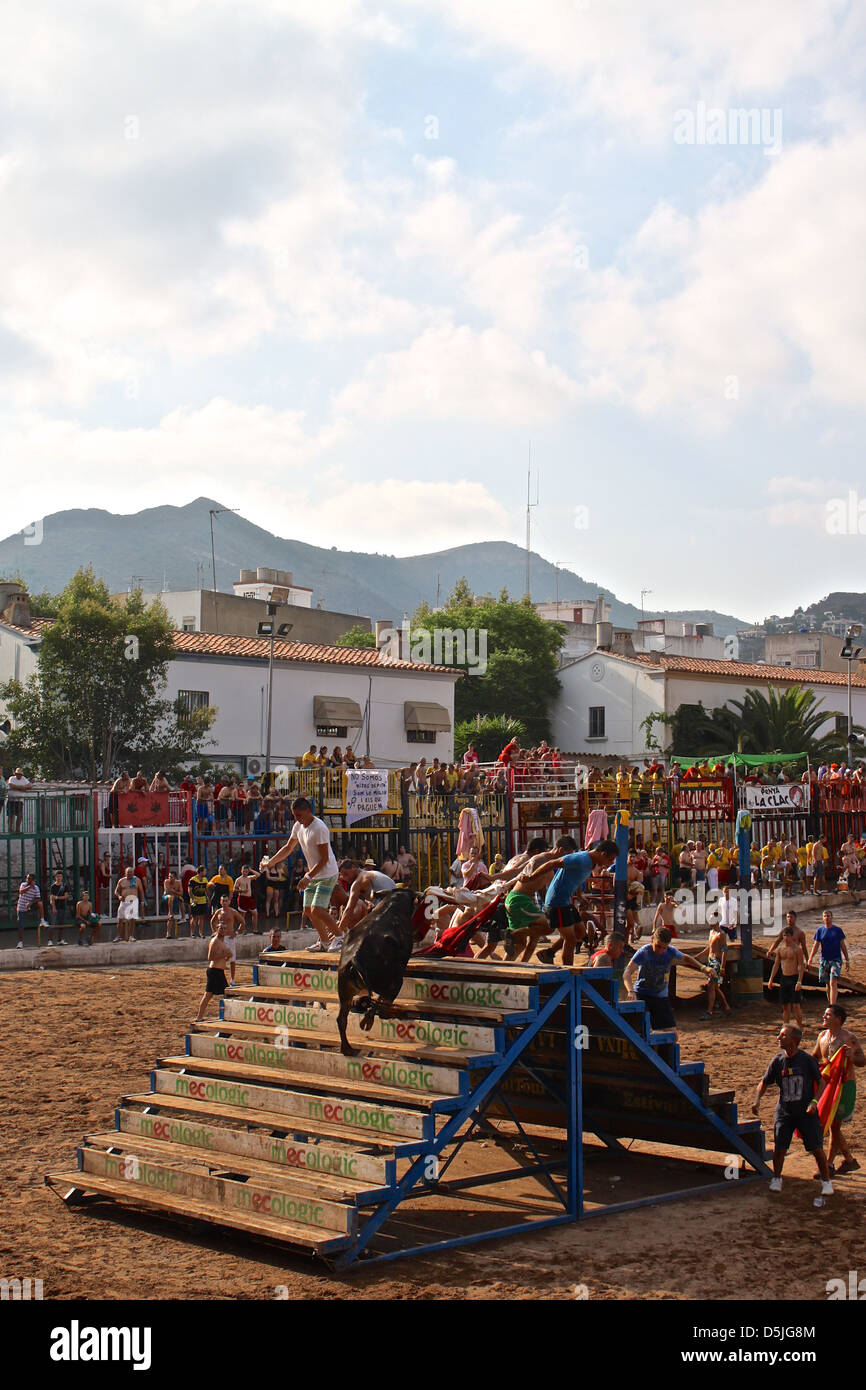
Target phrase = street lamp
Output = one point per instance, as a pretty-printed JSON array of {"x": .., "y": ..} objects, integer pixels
[
  {"x": 216, "y": 511},
  {"x": 269, "y": 628},
  {"x": 850, "y": 653}
]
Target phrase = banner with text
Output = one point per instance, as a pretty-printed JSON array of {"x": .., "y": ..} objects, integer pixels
[
  {"x": 366, "y": 793},
  {"x": 784, "y": 798}
]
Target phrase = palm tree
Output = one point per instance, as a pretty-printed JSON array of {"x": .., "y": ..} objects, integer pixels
[{"x": 780, "y": 721}]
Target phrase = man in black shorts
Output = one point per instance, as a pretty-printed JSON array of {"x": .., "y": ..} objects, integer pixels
[
  {"x": 218, "y": 957},
  {"x": 800, "y": 1082}
]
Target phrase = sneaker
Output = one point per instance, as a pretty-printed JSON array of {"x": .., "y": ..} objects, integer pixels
[
  {"x": 775, "y": 1184},
  {"x": 336, "y": 943},
  {"x": 49, "y": 942},
  {"x": 43, "y": 923},
  {"x": 20, "y": 946},
  {"x": 826, "y": 1189},
  {"x": 849, "y": 1166},
  {"x": 546, "y": 957},
  {"x": 316, "y": 946},
  {"x": 61, "y": 942},
  {"x": 118, "y": 938}
]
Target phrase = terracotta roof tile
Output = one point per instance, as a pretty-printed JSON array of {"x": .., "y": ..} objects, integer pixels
[
  {"x": 211, "y": 644},
  {"x": 756, "y": 671}
]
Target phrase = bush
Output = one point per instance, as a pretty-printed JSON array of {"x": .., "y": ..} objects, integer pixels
[{"x": 489, "y": 733}]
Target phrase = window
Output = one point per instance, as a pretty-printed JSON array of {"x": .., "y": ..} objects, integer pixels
[
  {"x": 188, "y": 624},
  {"x": 420, "y": 735},
  {"x": 596, "y": 721},
  {"x": 190, "y": 700},
  {"x": 841, "y": 724},
  {"x": 332, "y": 730}
]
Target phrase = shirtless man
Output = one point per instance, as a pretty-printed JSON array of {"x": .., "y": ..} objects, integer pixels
[
  {"x": 218, "y": 954},
  {"x": 526, "y": 921},
  {"x": 717, "y": 959},
  {"x": 119, "y": 787},
  {"x": 799, "y": 934},
  {"x": 666, "y": 913},
  {"x": 226, "y": 920},
  {"x": 86, "y": 917},
  {"x": 363, "y": 883},
  {"x": 834, "y": 1036},
  {"x": 159, "y": 783},
  {"x": 699, "y": 859},
  {"x": 129, "y": 894},
  {"x": 172, "y": 889},
  {"x": 687, "y": 866},
  {"x": 792, "y": 959},
  {"x": 247, "y": 900},
  {"x": 606, "y": 956}
]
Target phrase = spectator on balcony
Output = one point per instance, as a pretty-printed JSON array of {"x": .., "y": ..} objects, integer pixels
[
  {"x": 119, "y": 787},
  {"x": 223, "y": 802},
  {"x": 337, "y": 758},
  {"x": 139, "y": 783},
  {"x": 367, "y": 763},
  {"x": 470, "y": 756},
  {"x": 311, "y": 757},
  {"x": 59, "y": 897},
  {"x": 324, "y": 760},
  {"x": 159, "y": 783},
  {"x": 510, "y": 752},
  {"x": 452, "y": 778},
  {"x": 204, "y": 806},
  {"x": 349, "y": 756},
  {"x": 188, "y": 784},
  {"x": 253, "y": 803},
  {"x": 17, "y": 783}
]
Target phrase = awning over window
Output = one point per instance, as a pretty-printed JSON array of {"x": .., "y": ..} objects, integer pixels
[
  {"x": 337, "y": 709},
  {"x": 419, "y": 714}
]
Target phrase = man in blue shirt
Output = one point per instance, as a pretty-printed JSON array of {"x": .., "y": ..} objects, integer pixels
[
  {"x": 574, "y": 871},
  {"x": 652, "y": 966},
  {"x": 831, "y": 940}
]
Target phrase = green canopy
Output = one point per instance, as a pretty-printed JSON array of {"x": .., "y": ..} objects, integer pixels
[{"x": 739, "y": 759}]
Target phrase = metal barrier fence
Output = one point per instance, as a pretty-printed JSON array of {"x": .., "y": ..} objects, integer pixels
[{"x": 53, "y": 830}]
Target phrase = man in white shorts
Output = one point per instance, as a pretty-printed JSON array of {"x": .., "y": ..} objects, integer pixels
[
  {"x": 129, "y": 893},
  {"x": 319, "y": 881}
]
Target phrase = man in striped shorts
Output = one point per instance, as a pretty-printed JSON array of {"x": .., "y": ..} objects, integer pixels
[{"x": 28, "y": 896}]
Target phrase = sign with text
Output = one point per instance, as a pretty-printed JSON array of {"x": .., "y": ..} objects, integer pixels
[
  {"x": 782, "y": 798},
  {"x": 366, "y": 793}
]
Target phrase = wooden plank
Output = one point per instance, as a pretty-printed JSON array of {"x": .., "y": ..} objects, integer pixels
[
  {"x": 471, "y": 993},
  {"x": 437, "y": 1056},
  {"x": 261, "y": 1062},
  {"x": 253, "y": 1197},
  {"x": 456, "y": 967},
  {"x": 208, "y": 1111},
  {"x": 224, "y": 1165},
  {"x": 250, "y": 1007},
  {"x": 319, "y": 1160},
  {"x": 131, "y": 1194},
  {"x": 225, "y": 1086},
  {"x": 412, "y": 1075}
]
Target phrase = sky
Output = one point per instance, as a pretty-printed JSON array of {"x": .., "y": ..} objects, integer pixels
[{"x": 349, "y": 266}]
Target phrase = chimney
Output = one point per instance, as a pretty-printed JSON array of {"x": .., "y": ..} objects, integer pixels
[
  {"x": 603, "y": 636},
  {"x": 14, "y": 603}
]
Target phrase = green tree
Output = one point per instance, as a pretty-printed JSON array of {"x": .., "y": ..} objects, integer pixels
[
  {"x": 519, "y": 679},
  {"x": 775, "y": 721},
  {"x": 357, "y": 637},
  {"x": 94, "y": 701}
]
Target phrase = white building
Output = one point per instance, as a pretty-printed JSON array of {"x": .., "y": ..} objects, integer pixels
[
  {"x": 260, "y": 583},
  {"x": 395, "y": 710},
  {"x": 605, "y": 696}
]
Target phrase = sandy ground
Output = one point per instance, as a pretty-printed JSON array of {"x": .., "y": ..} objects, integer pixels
[{"x": 75, "y": 1041}]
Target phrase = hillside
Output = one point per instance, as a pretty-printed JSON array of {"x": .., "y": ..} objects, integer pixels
[{"x": 166, "y": 545}]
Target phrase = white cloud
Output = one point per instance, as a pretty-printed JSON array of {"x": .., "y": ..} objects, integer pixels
[
  {"x": 451, "y": 372},
  {"x": 263, "y": 460},
  {"x": 764, "y": 310}
]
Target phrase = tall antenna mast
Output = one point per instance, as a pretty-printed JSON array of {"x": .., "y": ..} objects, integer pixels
[{"x": 529, "y": 506}]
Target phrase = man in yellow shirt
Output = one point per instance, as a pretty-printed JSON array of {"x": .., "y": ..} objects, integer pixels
[
  {"x": 311, "y": 757},
  {"x": 221, "y": 882}
]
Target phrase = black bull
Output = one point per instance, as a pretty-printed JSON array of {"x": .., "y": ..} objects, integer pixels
[{"x": 374, "y": 958}]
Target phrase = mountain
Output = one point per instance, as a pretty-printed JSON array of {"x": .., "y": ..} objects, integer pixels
[{"x": 166, "y": 546}]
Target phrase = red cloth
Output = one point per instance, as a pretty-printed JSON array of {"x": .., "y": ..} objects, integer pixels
[{"x": 454, "y": 941}]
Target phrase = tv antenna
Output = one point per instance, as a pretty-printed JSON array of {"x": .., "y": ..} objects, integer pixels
[{"x": 529, "y": 506}]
